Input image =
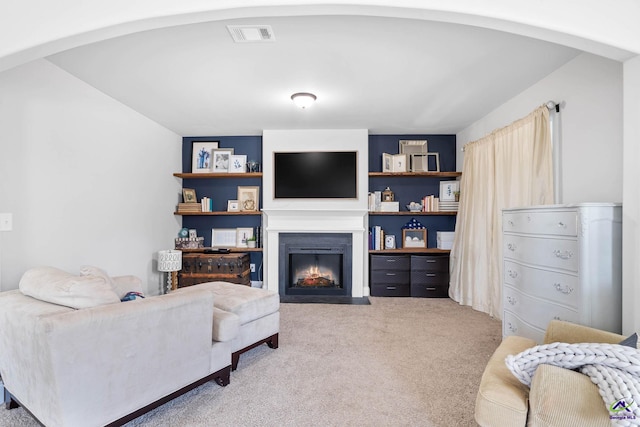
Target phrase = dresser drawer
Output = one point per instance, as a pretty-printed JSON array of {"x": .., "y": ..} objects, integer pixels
[
  {"x": 390, "y": 277},
  {"x": 430, "y": 291},
  {"x": 557, "y": 223},
  {"x": 429, "y": 277},
  {"x": 390, "y": 262},
  {"x": 430, "y": 263},
  {"x": 551, "y": 285},
  {"x": 513, "y": 325},
  {"x": 538, "y": 312},
  {"x": 548, "y": 252},
  {"x": 398, "y": 290}
]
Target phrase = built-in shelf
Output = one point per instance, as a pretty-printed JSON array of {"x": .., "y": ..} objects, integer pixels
[
  {"x": 218, "y": 175},
  {"x": 408, "y": 213},
  {"x": 417, "y": 174},
  {"x": 218, "y": 213}
]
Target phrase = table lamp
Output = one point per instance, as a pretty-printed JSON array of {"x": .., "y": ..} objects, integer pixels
[{"x": 170, "y": 261}]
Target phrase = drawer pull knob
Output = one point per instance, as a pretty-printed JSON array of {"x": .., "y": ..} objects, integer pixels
[
  {"x": 431, "y": 260},
  {"x": 511, "y": 247},
  {"x": 512, "y": 300},
  {"x": 511, "y": 223},
  {"x": 391, "y": 288},
  {"x": 512, "y": 274},
  {"x": 431, "y": 274},
  {"x": 512, "y": 328},
  {"x": 390, "y": 260},
  {"x": 563, "y": 254},
  {"x": 431, "y": 289},
  {"x": 563, "y": 289},
  {"x": 562, "y": 225}
]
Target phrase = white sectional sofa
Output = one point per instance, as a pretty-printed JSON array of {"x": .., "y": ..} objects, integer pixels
[{"x": 106, "y": 363}]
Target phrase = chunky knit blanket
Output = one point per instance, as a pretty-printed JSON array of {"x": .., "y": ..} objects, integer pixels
[{"x": 614, "y": 368}]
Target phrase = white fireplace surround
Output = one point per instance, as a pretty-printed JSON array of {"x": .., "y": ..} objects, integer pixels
[{"x": 316, "y": 216}]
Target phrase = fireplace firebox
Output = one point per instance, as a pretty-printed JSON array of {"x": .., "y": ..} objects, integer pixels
[{"x": 315, "y": 264}]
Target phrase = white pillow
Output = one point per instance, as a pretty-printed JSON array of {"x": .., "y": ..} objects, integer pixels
[{"x": 56, "y": 286}]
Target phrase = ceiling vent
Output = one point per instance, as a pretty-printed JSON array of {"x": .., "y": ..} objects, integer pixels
[{"x": 251, "y": 33}]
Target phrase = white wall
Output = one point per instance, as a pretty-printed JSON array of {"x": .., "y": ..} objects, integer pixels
[
  {"x": 589, "y": 89},
  {"x": 631, "y": 207},
  {"x": 88, "y": 180}
]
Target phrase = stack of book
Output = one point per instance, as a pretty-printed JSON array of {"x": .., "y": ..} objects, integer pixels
[
  {"x": 430, "y": 204},
  {"x": 376, "y": 238},
  {"x": 449, "y": 206},
  {"x": 206, "y": 204},
  {"x": 189, "y": 207}
]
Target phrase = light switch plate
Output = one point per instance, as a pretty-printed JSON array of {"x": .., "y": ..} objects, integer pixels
[{"x": 6, "y": 222}]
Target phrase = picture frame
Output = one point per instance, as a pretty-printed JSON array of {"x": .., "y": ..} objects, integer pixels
[
  {"x": 249, "y": 198},
  {"x": 414, "y": 238},
  {"x": 193, "y": 233},
  {"x": 201, "y": 155},
  {"x": 221, "y": 159},
  {"x": 399, "y": 163},
  {"x": 390, "y": 241},
  {"x": 387, "y": 162},
  {"x": 189, "y": 195},
  {"x": 242, "y": 234},
  {"x": 238, "y": 163},
  {"x": 223, "y": 237},
  {"x": 406, "y": 146},
  {"x": 448, "y": 190},
  {"x": 233, "y": 206},
  {"x": 425, "y": 162}
]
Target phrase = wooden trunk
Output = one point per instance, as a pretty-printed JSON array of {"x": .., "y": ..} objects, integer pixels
[{"x": 201, "y": 267}]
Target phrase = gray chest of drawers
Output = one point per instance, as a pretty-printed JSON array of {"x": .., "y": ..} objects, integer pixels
[
  {"x": 406, "y": 275},
  {"x": 561, "y": 262}
]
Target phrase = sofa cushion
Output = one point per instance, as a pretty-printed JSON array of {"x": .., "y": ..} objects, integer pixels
[
  {"x": 502, "y": 400},
  {"x": 562, "y": 397},
  {"x": 56, "y": 286},
  {"x": 246, "y": 302}
]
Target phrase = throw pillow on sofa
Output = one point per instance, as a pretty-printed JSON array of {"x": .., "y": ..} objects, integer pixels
[{"x": 56, "y": 286}]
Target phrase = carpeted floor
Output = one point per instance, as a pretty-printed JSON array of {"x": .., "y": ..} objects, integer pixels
[{"x": 396, "y": 362}]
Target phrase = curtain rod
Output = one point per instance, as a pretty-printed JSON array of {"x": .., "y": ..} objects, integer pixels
[{"x": 551, "y": 105}]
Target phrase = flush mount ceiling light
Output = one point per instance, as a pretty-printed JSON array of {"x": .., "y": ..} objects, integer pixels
[{"x": 303, "y": 99}]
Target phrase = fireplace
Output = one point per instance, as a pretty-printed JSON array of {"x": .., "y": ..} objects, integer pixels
[{"x": 315, "y": 264}]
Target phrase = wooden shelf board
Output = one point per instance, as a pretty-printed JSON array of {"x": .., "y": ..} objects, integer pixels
[
  {"x": 218, "y": 175},
  {"x": 416, "y": 174},
  {"x": 411, "y": 251},
  {"x": 407, "y": 213},
  {"x": 233, "y": 250},
  {"x": 218, "y": 213}
]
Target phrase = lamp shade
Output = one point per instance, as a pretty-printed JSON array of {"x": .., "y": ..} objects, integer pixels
[{"x": 169, "y": 260}]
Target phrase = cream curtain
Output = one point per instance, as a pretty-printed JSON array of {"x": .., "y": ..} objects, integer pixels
[{"x": 511, "y": 167}]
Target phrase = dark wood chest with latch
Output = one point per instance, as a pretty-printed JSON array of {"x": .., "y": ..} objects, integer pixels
[{"x": 201, "y": 267}]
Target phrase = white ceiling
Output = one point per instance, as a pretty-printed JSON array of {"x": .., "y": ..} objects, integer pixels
[{"x": 388, "y": 75}]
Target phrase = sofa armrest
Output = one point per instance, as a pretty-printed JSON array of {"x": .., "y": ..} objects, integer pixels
[
  {"x": 562, "y": 397},
  {"x": 561, "y": 331}
]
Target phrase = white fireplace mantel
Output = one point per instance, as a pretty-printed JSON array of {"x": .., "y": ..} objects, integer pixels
[{"x": 354, "y": 221}]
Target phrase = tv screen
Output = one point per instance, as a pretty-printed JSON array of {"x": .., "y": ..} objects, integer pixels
[{"x": 315, "y": 175}]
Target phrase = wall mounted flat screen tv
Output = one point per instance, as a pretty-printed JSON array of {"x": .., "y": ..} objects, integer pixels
[{"x": 316, "y": 175}]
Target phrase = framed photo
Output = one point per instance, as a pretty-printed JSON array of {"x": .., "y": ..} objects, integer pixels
[
  {"x": 233, "y": 206},
  {"x": 242, "y": 234},
  {"x": 399, "y": 163},
  {"x": 387, "y": 162},
  {"x": 448, "y": 190},
  {"x": 426, "y": 162},
  {"x": 221, "y": 159},
  {"x": 238, "y": 163},
  {"x": 389, "y": 241},
  {"x": 201, "y": 156},
  {"x": 412, "y": 147},
  {"x": 193, "y": 233},
  {"x": 189, "y": 195},
  {"x": 414, "y": 238},
  {"x": 223, "y": 237},
  {"x": 249, "y": 198}
]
